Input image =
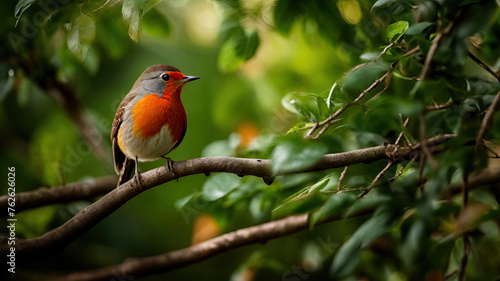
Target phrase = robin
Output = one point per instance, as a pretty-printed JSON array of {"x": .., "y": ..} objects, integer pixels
[{"x": 150, "y": 121}]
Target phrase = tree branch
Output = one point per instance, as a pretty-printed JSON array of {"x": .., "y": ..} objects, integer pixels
[
  {"x": 64, "y": 95},
  {"x": 484, "y": 177},
  {"x": 176, "y": 259},
  {"x": 256, "y": 234},
  {"x": 66, "y": 98},
  {"x": 85, "y": 190},
  {"x": 60, "y": 237}
]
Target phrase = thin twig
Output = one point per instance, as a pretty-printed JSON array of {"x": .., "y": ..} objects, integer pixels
[
  {"x": 495, "y": 154},
  {"x": 465, "y": 257},
  {"x": 342, "y": 176},
  {"x": 487, "y": 120},
  {"x": 421, "y": 167},
  {"x": 451, "y": 274},
  {"x": 412, "y": 51},
  {"x": 383, "y": 52},
  {"x": 345, "y": 190},
  {"x": 423, "y": 141},
  {"x": 486, "y": 123},
  {"x": 439, "y": 106},
  {"x": 402, "y": 169},
  {"x": 483, "y": 178},
  {"x": 402, "y": 132},
  {"x": 484, "y": 66},
  {"x": 375, "y": 180},
  {"x": 326, "y": 123},
  {"x": 328, "y": 120},
  {"x": 434, "y": 46}
]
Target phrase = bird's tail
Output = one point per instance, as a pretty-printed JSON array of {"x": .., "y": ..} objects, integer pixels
[{"x": 126, "y": 171}]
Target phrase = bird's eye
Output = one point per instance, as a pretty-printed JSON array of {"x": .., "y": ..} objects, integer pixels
[{"x": 165, "y": 77}]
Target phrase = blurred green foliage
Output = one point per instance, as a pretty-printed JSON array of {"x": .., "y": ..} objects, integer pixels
[{"x": 270, "y": 70}]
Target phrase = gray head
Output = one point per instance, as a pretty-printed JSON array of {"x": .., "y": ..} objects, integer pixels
[{"x": 157, "y": 78}]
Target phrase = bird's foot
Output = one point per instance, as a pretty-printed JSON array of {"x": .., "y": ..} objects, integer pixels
[
  {"x": 170, "y": 165},
  {"x": 137, "y": 174},
  {"x": 137, "y": 178}
]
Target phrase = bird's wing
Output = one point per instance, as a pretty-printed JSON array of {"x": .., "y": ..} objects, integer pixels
[
  {"x": 119, "y": 157},
  {"x": 128, "y": 168},
  {"x": 181, "y": 138}
]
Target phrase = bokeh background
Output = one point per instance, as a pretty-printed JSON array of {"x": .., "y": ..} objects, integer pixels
[
  {"x": 45, "y": 146},
  {"x": 236, "y": 102}
]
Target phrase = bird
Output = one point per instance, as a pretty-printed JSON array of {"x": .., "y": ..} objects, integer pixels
[{"x": 150, "y": 121}]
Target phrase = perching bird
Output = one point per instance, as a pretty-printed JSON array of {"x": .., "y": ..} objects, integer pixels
[{"x": 150, "y": 121}]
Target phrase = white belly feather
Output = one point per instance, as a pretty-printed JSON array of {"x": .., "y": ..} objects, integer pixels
[{"x": 148, "y": 149}]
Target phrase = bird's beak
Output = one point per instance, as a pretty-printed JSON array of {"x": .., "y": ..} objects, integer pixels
[{"x": 189, "y": 79}]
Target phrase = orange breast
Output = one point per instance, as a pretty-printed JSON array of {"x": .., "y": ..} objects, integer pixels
[{"x": 151, "y": 113}]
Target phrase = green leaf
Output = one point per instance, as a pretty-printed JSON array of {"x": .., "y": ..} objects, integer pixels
[
  {"x": 81, "y": 34},
  {"x": 294, "y": 153},
  {"x": 405, "y": 107},
  {"x": 240, "y": 47},
  {"x": 156, "y": 23},
  {"x": 219, "y": 185},
  {"x": 362, "y": 76},
  {"x": 179, "y": 204},
  {"x": 384, "y": 3},
  {"x": 348, "y": 256},
  {"x": 21, "y": 7},
  {"x": 418, "y": 28},
  {"x": 228, "y": 60},
  {"x": 222, "y": 147},
  {"x": 396, "y": 30},
  {"x": 217, "y": 148},
  {"x": 116, "y": 42},
  {"x": 308, "y": 203},
  {"x": 371, "y": 200},
  {"x": 394, "y": 6},
  {"x": 431, "y": 90},
  {"x": 230, "y": 27},
  {"x": 132, "y": 12},
  {"x": 132, "y": 18},
  {"x": 263, "y": 144},
  {"x": 336, "y": 97},
  {"x": 320, "y": 184},
  {"x": 286, "y": 13},
  {"x": 249, "y": 186},
  {"x": 335, "y": 205},
  {"x": 310, "y": 106},
  {"x": 247, "y": 47},
  {"x": 414, "y": 243},
  {"x": 261, "y": 204}
]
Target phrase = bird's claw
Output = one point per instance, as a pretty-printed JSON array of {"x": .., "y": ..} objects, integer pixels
[
  {"x": 170, "y": 165},
  {"x": 137, "y": 174},
  {"x": 137, "y": 178}
]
